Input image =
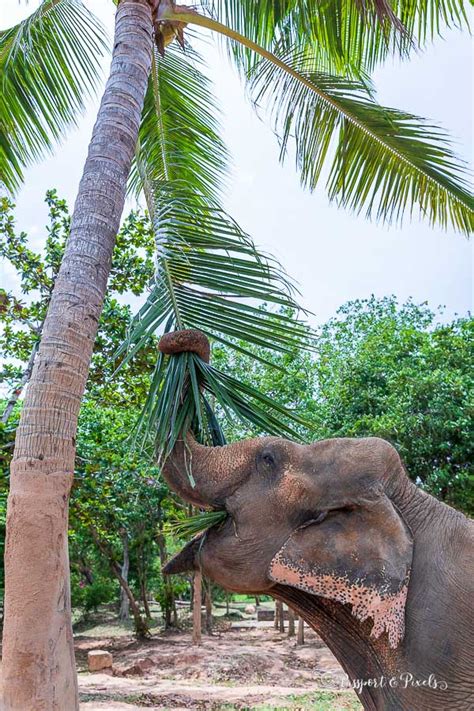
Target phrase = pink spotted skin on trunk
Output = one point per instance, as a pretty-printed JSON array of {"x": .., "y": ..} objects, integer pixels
[{"x": 387, "y": 611}]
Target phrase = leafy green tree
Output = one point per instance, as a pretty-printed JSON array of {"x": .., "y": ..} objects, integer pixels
[
  {"x": 394, "y": 372},
  {"x": 386, "y": 162},
  {"x": 22, "y": 316},
  {"x": 116, "y": 495}
]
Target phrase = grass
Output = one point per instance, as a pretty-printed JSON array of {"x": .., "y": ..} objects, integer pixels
[{"x": 314, "y": 701}]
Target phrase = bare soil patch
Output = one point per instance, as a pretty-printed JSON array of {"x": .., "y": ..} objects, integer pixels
[{"x": 235, "y": 668}]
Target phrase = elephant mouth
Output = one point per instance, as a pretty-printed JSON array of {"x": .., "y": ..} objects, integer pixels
[{"x": 198, "y": 527}]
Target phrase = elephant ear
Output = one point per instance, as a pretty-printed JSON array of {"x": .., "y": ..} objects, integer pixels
[{"x": 359, "y": 556}]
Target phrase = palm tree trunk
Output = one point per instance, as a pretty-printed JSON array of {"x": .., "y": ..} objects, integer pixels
[{"x": 38, "y": 663}]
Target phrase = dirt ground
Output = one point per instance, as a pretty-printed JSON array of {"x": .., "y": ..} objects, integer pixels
[{"x": 246, "y": 665}]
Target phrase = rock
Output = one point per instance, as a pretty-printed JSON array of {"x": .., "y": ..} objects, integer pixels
[
  {"x": 187, "y": 659},
  {"x": 234, "y": 615},
  {"x": 98, "y": 659},
  {"x": 249, "y": 609},
  {"x": 140, "y": 667},
  {"x": 134, "y": 670}
]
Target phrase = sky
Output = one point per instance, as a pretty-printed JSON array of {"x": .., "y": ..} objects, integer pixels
[{"x": 334, "y": 256}]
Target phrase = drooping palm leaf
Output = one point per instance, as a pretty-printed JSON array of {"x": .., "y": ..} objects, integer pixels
[
  {"x": 177, "y": 403},
  {"x": 208, "y": 275},
  {"x": 179, "y": 134},
  {"x": 340, "y": 36},
  {"x": 209, "y": 272},
  {"x": 49, "y": 65},
  {"x": 206, "y": 264},
  {"x": 386, "y": 161}
]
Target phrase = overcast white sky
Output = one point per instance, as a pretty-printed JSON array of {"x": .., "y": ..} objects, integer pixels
[{"x": 334, "y": 256}]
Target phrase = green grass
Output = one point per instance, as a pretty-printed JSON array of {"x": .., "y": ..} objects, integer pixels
[{"x": 314, "y": 701}]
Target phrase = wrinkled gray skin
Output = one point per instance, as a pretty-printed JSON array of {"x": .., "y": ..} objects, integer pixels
[{"x": 342, "y": 509}]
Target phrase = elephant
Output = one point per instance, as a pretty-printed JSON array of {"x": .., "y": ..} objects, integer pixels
[{"x": 379, "y": 568}]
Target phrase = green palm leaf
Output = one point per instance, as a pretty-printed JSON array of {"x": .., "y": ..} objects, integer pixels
[
  {"x": 209, "y": 275},
  {"x": 177, "y": 403},
  {"x": 340, "y": 36},
  {"x": 192, "y": 525},
  {"x": 386, "y": 161},
  {"x": 49, "y": 65},
  {"x": 179, "y": 135}
]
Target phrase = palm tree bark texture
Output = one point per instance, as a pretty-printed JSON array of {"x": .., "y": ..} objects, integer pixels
[{"x": 38, "y": 656}]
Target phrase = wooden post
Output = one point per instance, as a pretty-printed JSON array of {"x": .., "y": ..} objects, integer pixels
[
  {"x": 291, "y": 623},
  {"x": 281, "y": 618},
  {"x": 300, "y": 638},
  {"x": 197, "y": 600},
  {"x": 124, "y": 610},
  {"x": 208, "y": 603},
  {"x": 277, "y": 612}
]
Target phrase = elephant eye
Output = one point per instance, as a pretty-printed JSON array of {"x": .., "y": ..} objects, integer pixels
[{"x": 268, "y": 459}]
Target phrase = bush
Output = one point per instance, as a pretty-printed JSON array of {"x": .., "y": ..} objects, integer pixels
[{"x": 88, "y": 597}]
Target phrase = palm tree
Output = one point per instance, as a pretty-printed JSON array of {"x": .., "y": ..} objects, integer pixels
[
  {"x": 156, "y": 133},
  {"x": 39, "y": 671}
]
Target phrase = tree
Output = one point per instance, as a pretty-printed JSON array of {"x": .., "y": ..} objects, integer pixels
[
  {"x": 40, "y": 636},
  {"x": 394, "y": 372},
  {"x": 109, "y": 476},
  {"x": 385, "y": 161},
  {"x": 22, "y": 316}
]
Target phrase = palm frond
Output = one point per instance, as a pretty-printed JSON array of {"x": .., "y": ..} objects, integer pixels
[
  {"x": 177, "y": 403},
  {"x": 179, "y": 134},
  {"x": 209, "y": 274},
  {"x": 386, "y": 162},
  {"x": 49, "y": 65},
  {"x": 340, "y": 36}
]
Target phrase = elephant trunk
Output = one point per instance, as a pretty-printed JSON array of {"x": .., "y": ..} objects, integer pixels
[{"x": 204, "y": 476}]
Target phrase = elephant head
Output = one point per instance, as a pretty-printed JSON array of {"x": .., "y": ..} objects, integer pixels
[{"x": 318, "y": 518}]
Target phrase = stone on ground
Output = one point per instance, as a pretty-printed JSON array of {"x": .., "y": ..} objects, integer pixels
[{"x": 98, "y": 659}]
